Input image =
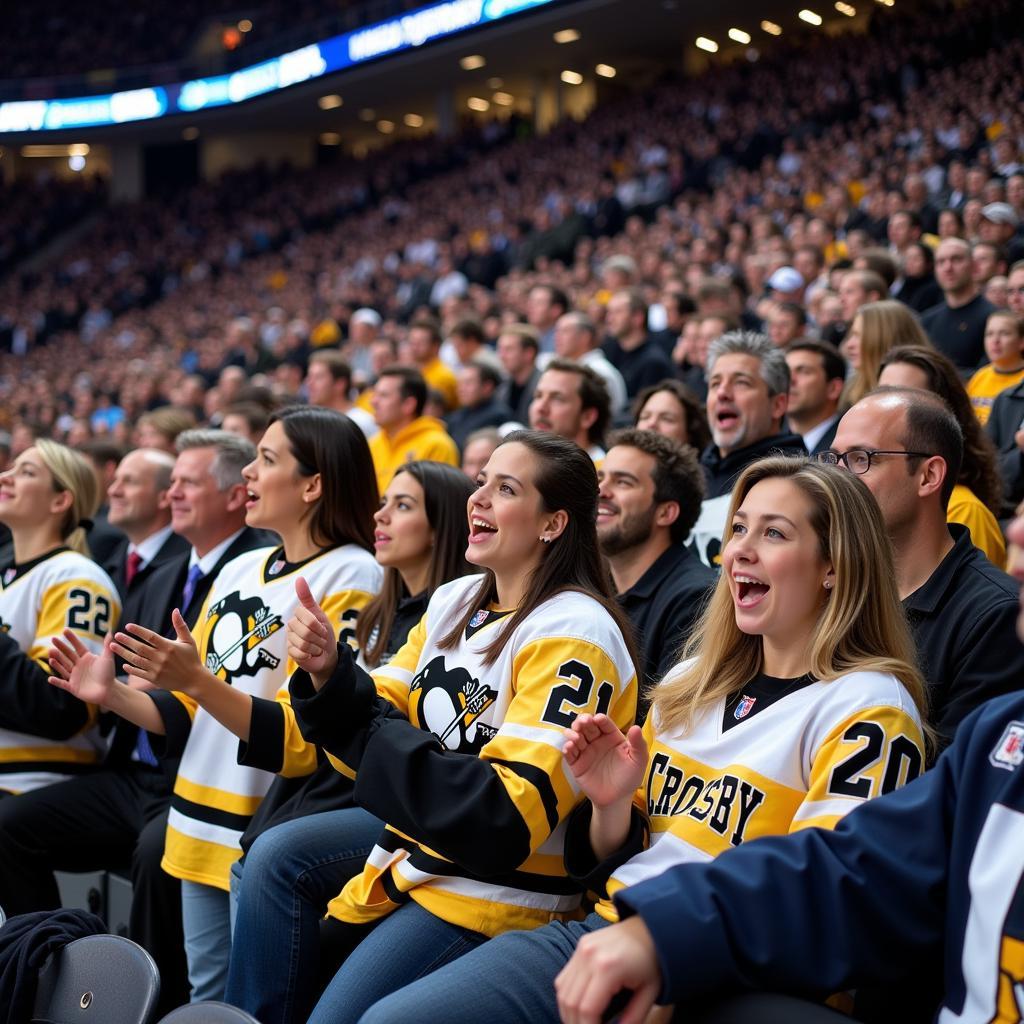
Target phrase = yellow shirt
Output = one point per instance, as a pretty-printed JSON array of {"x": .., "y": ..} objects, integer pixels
[
  {"x": 441, "y": 378},
  {"x": 987, "y": 384},
  {"x": 965, "y": 508},
  {"x": 424, "y": 438}
]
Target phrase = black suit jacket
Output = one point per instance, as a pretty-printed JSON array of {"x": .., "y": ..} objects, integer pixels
[
  {"x": 174, "y": 546},
  {"x": 153, "y": 603},
  {"x": 104, "y": 539}
]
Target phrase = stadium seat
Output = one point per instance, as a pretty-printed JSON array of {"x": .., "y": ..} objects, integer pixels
[
  {"x": 105, "y": 979},
  {"x": 209, "y": 1013}
]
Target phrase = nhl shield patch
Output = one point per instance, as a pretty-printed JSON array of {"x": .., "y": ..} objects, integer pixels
[
  {"x": 1009, "y": 751},
  {"x": 744, "y": 707},
  {"x": 479, "y": 618}
]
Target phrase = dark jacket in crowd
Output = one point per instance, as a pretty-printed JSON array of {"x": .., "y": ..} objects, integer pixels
[
  {"x": 721, "y": 471},
  {"x": 959, "y": 333},
  {"x": 468, "y": 419},
  {"x": 663, "y": 606},
  {"x": 1006, "y": 418},
  {"x": 964, "y": 623},
  {"x": 640, "y": 367},
  {"x": 26, "y": 943},
  {"x": 518, "y": 398}
]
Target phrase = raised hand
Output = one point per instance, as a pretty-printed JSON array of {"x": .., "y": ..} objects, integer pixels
[
  {"x": 169, "y": 664},
  {"x": 608, "y": 766},
  {"x": 311, "y": 642},
  {"x": 88, "y": 676}
]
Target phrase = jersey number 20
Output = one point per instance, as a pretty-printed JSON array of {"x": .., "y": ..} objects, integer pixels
[{"x": 848, "y": 778}]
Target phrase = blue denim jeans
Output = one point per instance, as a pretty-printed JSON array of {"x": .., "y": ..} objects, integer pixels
[
  {"x": 509, "y": 980},
  {"x": 288, "y": 876},
  {"x": 205, "y": 917},
  {"x": 408, "y": 944}
]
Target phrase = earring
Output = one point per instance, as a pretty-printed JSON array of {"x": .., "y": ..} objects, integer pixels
[
  {"x": 544, "y": 540},
  {"x": 828, "y": 584}
]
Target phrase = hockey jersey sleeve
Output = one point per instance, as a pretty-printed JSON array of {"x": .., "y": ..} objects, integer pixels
[
  {"x": 276, "y": 743},
  {"x": 30, "y": 704},
  {"x": 487, "y": 812},
  {"x": 871, "y": 752},
  {"x": 815, "y": 912}
]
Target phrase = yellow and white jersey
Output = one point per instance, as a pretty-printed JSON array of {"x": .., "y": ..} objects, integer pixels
[
  {"x": 802, "y": 760},
  {"x": 491, "y": 777},
  {"x": 241, "y": 638},
  {"x": 38, "y": 601}
]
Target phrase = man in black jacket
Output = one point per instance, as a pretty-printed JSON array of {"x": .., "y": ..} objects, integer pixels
[
  {"x": 650, "y": 494},
  {"x": 1006, "y": 428},
  {"x": 907, "y": 446},
  {"x": 117, "y": 816},
  {"x": 748, "y": 394}
]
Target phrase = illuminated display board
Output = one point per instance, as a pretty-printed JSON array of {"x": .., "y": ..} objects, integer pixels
[{"x": 303, "y": 65}]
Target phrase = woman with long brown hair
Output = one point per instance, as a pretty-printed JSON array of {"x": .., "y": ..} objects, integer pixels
[
  {"x": 457, "y": 742},
  {"x": 877, "y": 328}
]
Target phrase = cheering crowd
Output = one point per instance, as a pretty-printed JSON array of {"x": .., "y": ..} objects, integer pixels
[{"x": 426, "y": 580}]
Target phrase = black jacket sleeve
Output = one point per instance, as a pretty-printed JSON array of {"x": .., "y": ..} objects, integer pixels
[
  {"x": 456, "y": 804},
  {"x": 580, "y": 862},
  {"x": 30, "y": 704}
]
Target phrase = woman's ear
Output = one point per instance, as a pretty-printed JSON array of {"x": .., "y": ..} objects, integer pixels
[
  {"x": 61, "y": 502},
  {"x": 555, "y": 525},
  {"x": 313, "y": 490}
]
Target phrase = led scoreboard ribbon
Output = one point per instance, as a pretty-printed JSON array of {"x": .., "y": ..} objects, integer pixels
[{"x": 305, "y": 64}]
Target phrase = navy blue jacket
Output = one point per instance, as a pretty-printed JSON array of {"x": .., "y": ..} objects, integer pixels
[{"x": 924, "y": 880}]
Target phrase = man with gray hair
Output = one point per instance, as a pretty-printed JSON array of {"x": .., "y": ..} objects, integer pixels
[
  {"x": 576, "y": 338},
  {"x": 117, "y": 816},
  {"x": 748, "y": 392}
]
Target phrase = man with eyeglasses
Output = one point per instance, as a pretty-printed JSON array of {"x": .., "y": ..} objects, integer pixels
[{"x": 907, "y": 446}]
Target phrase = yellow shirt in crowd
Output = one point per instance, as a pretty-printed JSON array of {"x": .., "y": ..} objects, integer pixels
[
  {"x": 424, "y": 438},
  {"x": 986, "y": 384}
]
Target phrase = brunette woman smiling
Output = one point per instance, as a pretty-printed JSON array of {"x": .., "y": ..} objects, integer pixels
[
  {"x": 457, "y": 741},
  {"x": 313, "y": 484}
]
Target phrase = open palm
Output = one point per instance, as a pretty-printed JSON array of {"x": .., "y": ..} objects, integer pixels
[
  {"x": 607, "y": 765},
  {"x": 88, "y": 676}
]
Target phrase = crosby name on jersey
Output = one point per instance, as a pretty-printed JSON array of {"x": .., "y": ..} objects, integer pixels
[{"x": 747, "y": 769}]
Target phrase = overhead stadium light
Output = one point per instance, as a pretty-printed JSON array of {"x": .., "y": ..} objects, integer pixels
[
  {"x": 703, "y": 43},
  {"x": 566, "y": 35},
  {"x": 571, "y": 77},
  {"x": 737, "y": 35},
  {"x": 605, "y": 71},
  {"x": 811, "y": 17},
  {"x": 478, "y": 103},
  {"x": 472, "y": 62},
  {"x": 771, "y": 28},
  {"x": 413, "y": 120},
  {"x": 330, "y": 102}
]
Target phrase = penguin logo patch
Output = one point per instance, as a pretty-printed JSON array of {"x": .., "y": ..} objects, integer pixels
[
  {"x": 237, "y": 628},
  {"x": 449, "y": 703}
]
